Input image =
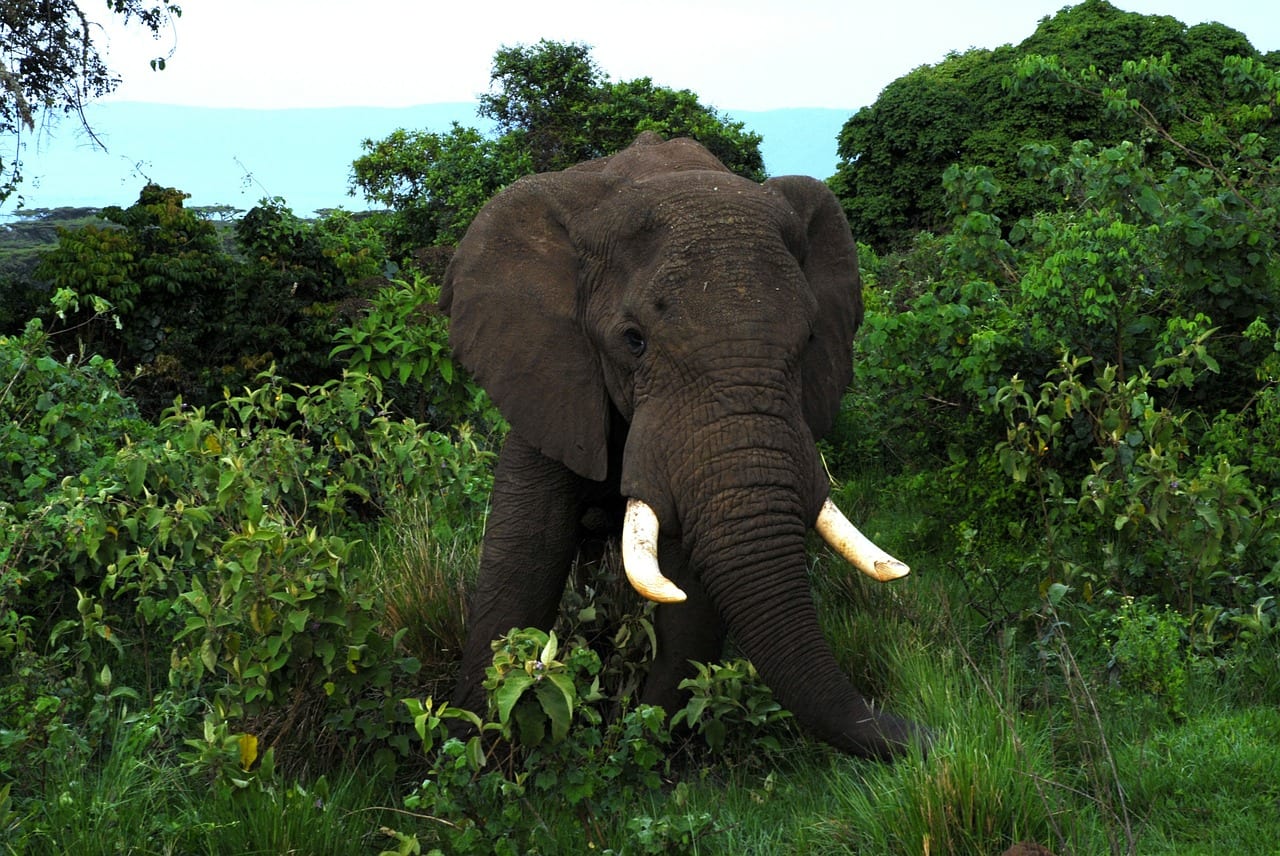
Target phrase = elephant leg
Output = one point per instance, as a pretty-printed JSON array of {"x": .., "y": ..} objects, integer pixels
[
  {"x": 691, "y": 630},
  {"x": 528, "y": 550}
]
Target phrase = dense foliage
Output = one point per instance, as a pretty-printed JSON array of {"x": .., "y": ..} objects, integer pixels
[
  {"x": 193, "y": 317},
  {"x": 1099, "y": 381},
  {"x": 552, "y": 107},
  {"x": 50, "y": 64},
  {"x": 964, "y": 111},
  {"x": 214, "y": 550},
  {"x": 567, "y": 110},
  {"x": 226, "y": 619}
]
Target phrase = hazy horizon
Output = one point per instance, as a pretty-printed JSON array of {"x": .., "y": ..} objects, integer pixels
[{"x": 237, "y": 156}]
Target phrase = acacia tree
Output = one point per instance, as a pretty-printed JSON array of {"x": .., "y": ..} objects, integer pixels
[{"x": 50, "y": 65}]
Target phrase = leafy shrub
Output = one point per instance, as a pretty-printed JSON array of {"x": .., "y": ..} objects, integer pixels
[
  {"x": 56, "y": 417},
  {"x": 529, "y": 689},
  {"x": 728, "y": 700},
  {"x": 402, "y": 340},
  {"x": 489, "y": 795},
  {"x": 217, "y": 557},
  {"x": 1094, "y": 384},
  {"x": 1149, "y": 652},
  {"x": 192, "y": 316},
  {"x": 1166, "y": 520}
]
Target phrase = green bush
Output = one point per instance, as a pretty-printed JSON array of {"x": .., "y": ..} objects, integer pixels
[
  {"x": 57, "y": 417},
  {"x": 1095, "y": 384},
  {"x": 528, "y": 778},
  {"x": 192, "y": 314},
  {"x": 216, "y": 555},
  {"x": 1149, "y": 653},
  {"x": 402, "y": 340},
  {"x": 728, "y": 700}
]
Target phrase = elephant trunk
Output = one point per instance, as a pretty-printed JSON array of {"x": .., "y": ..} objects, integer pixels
[
  {"x": 744, "y": 522},
  {"x": 753, "y": 566}
]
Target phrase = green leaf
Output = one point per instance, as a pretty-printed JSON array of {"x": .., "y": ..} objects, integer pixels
[
  {"x": 556, "y": 694},
  {"x": 549, "y": 650},
  {"x": 298, "y": 619},
  {"x": 475, "y": 754},
  {"x": 508, "y": 693},
  {"x": 135, "y": 475},
  {"x": 208, "y": 656},
  {"x": 532, "y": 725}
]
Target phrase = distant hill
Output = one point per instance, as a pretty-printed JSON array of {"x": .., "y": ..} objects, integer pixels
[{"x": 236, "y": 157}]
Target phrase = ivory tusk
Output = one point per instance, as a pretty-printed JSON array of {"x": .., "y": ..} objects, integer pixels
[
  {"x": 640, "y": 555},
  {"x": 857, "y": 549}
]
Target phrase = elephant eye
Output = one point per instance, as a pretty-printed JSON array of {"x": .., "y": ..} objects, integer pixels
[{"x": 635, "y": 341}]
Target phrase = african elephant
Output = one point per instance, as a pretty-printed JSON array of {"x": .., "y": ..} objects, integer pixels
[{"x": 665, "y": 335}]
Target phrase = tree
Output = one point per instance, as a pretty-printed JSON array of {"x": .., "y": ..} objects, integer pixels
[
  {"x": 552, "y": 107},
  {"x": 963, "y": 111},
  {"x": 188, "y": 316},
  {"x": 434, "y": 183},
  {"x": 568, "y": 111},
  {"x": 162, "y": 269},
  {"x": 540, "y": 90},
  {"x": 50, "y": 64},
  {"x": 626, "y": 108}
]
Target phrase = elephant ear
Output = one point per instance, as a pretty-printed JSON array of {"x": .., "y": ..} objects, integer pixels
[
  {"x": 829, "y": 259},
  {"x": 511, "y": 292}
]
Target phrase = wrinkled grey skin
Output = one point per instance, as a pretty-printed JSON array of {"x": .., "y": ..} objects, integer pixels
[{"x": 653, "y": 326}]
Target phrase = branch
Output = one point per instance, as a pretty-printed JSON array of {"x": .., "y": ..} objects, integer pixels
[{"x": 11, "y": 84}]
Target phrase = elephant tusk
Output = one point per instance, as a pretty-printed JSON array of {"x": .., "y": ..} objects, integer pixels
[
  {"x": 856, "y": 548},
  {"x": 640, "y": 555}
]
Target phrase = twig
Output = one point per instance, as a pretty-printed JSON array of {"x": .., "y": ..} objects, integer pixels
[{"x": 416, "y": 814}]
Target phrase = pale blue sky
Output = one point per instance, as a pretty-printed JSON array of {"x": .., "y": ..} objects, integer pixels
[{"x": 735, "y": 54}]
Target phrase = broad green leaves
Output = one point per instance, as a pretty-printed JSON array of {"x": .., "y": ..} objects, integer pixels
[
  {"x": 532, "y": 690},
  {"x": 1103, "y": 371}
]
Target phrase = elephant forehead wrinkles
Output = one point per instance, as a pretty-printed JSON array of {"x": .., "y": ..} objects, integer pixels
[
  {"x": 695, "y": 253},
  {"x": 702, "y": 207},
  {"x": 726, "y": 256},
  {"x": 736, "y": 290}
]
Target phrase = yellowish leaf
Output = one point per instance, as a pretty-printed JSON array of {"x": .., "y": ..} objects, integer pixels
[{"x": 248, "y": 751}]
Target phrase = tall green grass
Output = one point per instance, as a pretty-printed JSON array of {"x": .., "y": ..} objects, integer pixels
[
  {"x": 424, "y": 583},
  {"x": 136, "y": 797}
]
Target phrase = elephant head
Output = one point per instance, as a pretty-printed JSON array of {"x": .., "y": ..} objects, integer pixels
[{"x": 660, "y": 331}]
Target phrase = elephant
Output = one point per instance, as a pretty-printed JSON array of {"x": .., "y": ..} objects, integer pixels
[{"x": 667, "y": 340}]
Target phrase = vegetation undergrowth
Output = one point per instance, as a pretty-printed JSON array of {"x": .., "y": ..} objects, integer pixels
[{"x": 236, "y": 535}]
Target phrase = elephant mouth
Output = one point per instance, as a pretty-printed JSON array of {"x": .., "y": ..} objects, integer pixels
[{"x": 640, "y": 550}]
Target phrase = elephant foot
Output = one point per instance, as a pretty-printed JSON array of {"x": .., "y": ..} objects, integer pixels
[{"x": 884, "y": 737}]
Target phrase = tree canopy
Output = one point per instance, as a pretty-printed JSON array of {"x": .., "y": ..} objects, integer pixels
[
  {"x": 569, "y": 111},
  {"x": 552, "y": 107},
  {"x": 965, "y": 111},
  {"x": 50, "y": 64}
]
